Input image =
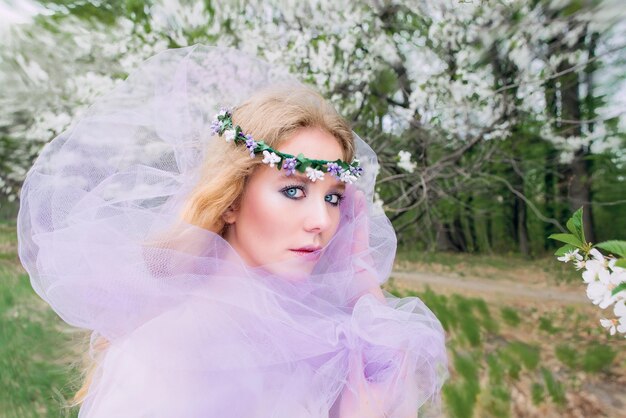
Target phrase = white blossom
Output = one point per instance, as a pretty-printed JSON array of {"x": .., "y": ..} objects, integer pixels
[
  {"x": 596, "y": 267},
  {"x": 599, "y": 291},
  {"x": 570, "y": 255},
  {"x": 405, "y": 162},
  {"x": 229, "y": 135},
  {"x": 347, "y": 177},
  {"x": 580, "y": 264},
  {"x": 314, "y": 174},
  {"x": 620, "y": 312},
  {"x": 270, "y": 158},
  {"x": 597, "y": 255},
  {"x": 610, "y": 324},
  {"x": 613, "y": 268}
]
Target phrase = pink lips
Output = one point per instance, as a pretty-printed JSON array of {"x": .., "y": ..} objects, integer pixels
[{"x": 309, "y": 253}]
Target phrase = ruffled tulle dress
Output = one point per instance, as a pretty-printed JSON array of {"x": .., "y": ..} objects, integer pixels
[{"x": 192, "y": 330}]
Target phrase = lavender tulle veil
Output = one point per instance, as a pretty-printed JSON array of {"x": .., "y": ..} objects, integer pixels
[{"x": 193, "y": 330}]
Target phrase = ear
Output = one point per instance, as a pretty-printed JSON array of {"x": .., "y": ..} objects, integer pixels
[{"x": 230, "y": 216}]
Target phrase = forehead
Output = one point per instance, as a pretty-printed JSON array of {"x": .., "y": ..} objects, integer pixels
[{"x": 314, "y": 143}]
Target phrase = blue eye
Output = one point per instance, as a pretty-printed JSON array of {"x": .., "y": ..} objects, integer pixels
[
  {"x": 293, "y": 192},
  {"x": 333, "y": 199},
  {"x": 297, "y": 192}
]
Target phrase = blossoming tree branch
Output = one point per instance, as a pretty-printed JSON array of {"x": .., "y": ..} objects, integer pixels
[{"x": 604, "y": 274}]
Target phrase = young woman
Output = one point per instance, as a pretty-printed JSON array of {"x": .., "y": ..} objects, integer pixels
[{"x": 228, "y": 265}]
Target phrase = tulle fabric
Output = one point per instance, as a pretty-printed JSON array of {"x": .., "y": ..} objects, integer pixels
[{"x": 193, "y": 330}]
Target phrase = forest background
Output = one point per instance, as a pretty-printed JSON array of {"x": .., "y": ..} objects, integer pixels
[{"x": 493, "y": 122}]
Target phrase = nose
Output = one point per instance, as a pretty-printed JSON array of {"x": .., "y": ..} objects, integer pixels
[{"x": 317, "y": 217}]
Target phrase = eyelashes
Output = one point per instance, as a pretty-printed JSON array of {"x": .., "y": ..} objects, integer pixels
[{"x": 297, "y": 192}]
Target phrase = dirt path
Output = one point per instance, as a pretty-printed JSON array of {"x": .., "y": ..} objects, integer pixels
[{"x": 491, "y": 288}]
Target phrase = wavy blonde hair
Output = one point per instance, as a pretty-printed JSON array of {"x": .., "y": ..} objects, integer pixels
[{"x": 273, "y": 115}]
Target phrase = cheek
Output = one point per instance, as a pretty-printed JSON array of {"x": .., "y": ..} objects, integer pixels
[
  {"x": 335, "y": 219},
  {"x": 263, "y": 218}
]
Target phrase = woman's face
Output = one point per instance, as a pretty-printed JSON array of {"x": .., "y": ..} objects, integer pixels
[{"x": 288, "y": 219}]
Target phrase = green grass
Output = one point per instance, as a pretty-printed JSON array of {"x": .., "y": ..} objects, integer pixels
[
  {"x": 34, "y": 360},
  {"x": 493, "y": 347},
  {"x": 510, "y": 316}
]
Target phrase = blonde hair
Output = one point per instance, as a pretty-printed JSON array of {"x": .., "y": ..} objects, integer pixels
[{"x": 273, "y": 115}]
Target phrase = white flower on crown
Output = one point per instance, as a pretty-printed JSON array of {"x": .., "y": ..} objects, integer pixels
[
  {"x": 222, "y": 112},
  {"x": 229, "y": 135},
  {"x": 314, "y": 174},
  {"x": 347, "y": 177},
  {"x": 270, "y": 158}
]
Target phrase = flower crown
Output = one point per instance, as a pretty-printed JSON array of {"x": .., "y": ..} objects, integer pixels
[{"x": 222, "y": 125}]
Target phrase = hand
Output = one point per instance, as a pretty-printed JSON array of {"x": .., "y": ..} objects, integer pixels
[
  {"x": 365, "y": 399},
  {"x": 365, "y": 277},
  {"x": 360, "y": 399}
]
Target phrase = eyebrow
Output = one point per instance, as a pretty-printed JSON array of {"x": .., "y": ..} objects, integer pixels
[{"x": 302, "y": 177}]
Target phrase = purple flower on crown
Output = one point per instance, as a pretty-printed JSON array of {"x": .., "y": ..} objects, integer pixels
[
  {"x": 250, "y": 144},
  {"x": 334, "y": 169},
  {"x": 289, "y": 165},
  {"x": 356, "y": 171},
  {"x": 216, "y": 126}
]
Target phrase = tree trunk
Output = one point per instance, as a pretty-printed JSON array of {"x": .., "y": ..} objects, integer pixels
[
  {"x": 444, "y": 241},
  {"x": 522, "y": 230},
  {"x": 578, "y": 175}
]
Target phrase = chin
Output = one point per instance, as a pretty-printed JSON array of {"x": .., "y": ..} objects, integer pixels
[{"x": 292, "y": 269}]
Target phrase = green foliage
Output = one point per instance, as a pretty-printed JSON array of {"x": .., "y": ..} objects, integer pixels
[
  {"x": 510, "y": 316},
  {"x": 34, "y": 383},
  {"x": 487, "y": 321},
  {"x": 567, "y": 355},
  {"x": 554, "y": 387},
  {"x": 575, "y": 225},
  {"x": 537, "y": 393},
  {"x": 460, "y": 396},
  {"x": 545, "y": 324},
  {"x": 564, "y": 249},
  {"x": 576, "y": 240},
  {"x": 528, "y": 355},
  {"x": 496, "y": 402},
  {"x": 597, "y": 358},
  {"x": 617, "y": 248},
  {"x": 469, "y": 325},
  {"x": 570, "y": 239},
  {"x": 439, "y": 305}
]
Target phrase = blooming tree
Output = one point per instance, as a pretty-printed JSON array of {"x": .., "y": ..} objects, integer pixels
[{"x": 453, "y": 96}]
